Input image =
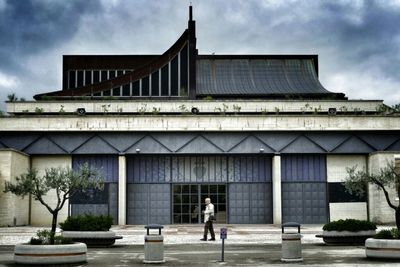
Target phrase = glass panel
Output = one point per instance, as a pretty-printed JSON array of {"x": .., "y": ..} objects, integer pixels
[
  {"x": 88, "y": 77},
  {"x": 111, "y": 74},
  {"x": 213, "y": 188},
  {"x": 221, "y": 198},
  {"x": 185, "y": 199},
  {"x": 97, "y": 94},
  {"x": 126, "y": 90},
  {"x": 120, "y": 72},
  {"x": 174, "y": 76},
  {"x": 103, "y": 75},
  {"x": 96, "y": 76},
  {"x": 164, "y": 81},
  {"x": 107, "y": 93},
  {"x": 80, "y": 78},
  {"x": 154, "y": 84},
  {"x": 194, "y": 188},
  {"x": 177, "y": 218},
  {"x": 221, "y": 189},
  {"x": 177, "y": 199},
  {"x": 145, "y": 86},
  {"x": 194, "y": 199},
  {"x": 177, "y": 209},
  {"x": 185, "y": 209},
  {"x": 185, "y": 219},
  {"x": 72, "y": 79},
  {"x": 185, "y": 189},
  {"x": 184, "y": 72},
  {"x": 177, "y": 188},
  {"x": 136, "y": 88},
  {"x": 117, "y": 91}
]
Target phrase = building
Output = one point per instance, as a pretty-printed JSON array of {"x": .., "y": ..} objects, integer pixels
[{"x": 258, "y": 134}]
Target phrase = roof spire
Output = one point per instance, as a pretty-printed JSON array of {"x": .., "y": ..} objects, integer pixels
[{"x": 190, "y": 12}]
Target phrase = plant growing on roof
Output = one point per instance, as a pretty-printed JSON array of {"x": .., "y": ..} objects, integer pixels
[
  {"x": 386, "y": 177},
  {"x": 64, "y": 181},
  {"x": 183, "y": 109},
  {"x": 38, "y": 110},
  {"x": 142, "y": 109},
  {"x": 12, "y": 97},
  {"x": 156, "y": 110},
  {"x": 237, "y": 108}
]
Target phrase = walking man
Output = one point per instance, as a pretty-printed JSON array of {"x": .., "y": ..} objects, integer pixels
[{"x": 208, "y": 218}]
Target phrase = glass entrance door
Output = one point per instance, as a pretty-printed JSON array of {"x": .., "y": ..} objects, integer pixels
[{"x": 188, "y": 202}]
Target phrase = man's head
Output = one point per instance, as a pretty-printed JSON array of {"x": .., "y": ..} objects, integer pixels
[{"x": 207, "y": 201}]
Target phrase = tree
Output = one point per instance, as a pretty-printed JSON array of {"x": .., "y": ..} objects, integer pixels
[
  {"x": 65, "y": 182},
  {"x": 388, "y": 176},
  {"x": 12, "y": 97}
]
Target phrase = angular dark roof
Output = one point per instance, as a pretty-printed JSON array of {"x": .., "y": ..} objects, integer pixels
[{"x": 258, "y": 76}]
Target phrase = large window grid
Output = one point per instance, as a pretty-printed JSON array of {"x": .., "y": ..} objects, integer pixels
[
  {"x": 171, "y": 79},
  {"x": 188, "y": 202}
]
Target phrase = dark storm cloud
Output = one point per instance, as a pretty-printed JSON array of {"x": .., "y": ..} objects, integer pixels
[
  {"x": 29, "y": 27},
  {"x": 358, "y": 42}
]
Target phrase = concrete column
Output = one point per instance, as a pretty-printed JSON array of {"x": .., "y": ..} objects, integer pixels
[
  {"x": 276, "y": 189},
  {"x": 122, "y": 190}
]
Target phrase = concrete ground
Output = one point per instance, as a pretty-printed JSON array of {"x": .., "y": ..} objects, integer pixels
[{"x": 247, "y": 245}]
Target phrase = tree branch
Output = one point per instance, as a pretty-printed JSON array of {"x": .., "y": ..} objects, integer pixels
[{"x": 378, "y": 183}]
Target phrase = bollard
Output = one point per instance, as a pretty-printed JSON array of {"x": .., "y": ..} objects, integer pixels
[
  {"x": 154, "y": 245},
  {"x": 291, "y": 244}
]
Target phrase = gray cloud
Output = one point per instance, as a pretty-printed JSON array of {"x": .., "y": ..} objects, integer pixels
[{"x": 357, "y": 42}]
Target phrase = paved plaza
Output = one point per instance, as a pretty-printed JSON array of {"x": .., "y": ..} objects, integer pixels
[{"x": 247, "y": 245}]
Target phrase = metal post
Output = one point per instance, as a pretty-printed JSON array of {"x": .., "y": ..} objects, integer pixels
[{"x": 222, "y": 255}]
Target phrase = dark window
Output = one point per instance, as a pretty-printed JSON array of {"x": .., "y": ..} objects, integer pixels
[
  {"x": 91, "y": 196},
  {"x": 338, "y": 193},
  {"x": 71, "y": 79},
  {"x": 120, "y": 72},
  {"x": 164, "y": 81},
  {"x": 117, "y": 91},
  {"x": 103, "y": 75},
  {"x": 97, "y": 94},
  {"x": 154, "y": 84},
  {"x": 184, "y": 72},
  {"x": 126, "y": 90},
  {"x": 96, "y": 76},
  {"x": 88, "y": 77},
  {"x": 174, "y": 76},
  {"x": 136, "y": 89},
  {"x": 111, "y": 74},
  {"x": 80, "y": 78},
  {"x": 107, "y": 93},
  {"x": 145, "y": 86}
]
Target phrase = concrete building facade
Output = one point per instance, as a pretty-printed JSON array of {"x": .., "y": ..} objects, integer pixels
[{"x": 258, "y": 134}]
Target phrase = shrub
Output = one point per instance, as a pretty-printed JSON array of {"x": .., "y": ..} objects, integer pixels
[
  {"x": 87, "y": 222},
  {"x": 388, "y": 234},
  {"x": 351, "y": 225},
  {"x": 44, "y": 237}
]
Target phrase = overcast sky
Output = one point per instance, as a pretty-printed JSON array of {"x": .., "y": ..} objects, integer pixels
[{"x": 358, "y": 42}]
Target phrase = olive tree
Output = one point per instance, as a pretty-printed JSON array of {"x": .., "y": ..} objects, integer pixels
[
  {"x": 387, "y": 177},
  {"x": 64, "y": 181}
]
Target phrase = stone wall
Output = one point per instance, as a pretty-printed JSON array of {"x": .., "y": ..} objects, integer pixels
[
  {"x": 40, "y": 215},
  {"x": 336, "y": 172},
  {"x": 380, "y": 212},
  {"x": 13, "y": 210}
]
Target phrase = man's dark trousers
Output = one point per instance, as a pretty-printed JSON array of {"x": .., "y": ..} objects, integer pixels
[{"x": 207, "y": 226}]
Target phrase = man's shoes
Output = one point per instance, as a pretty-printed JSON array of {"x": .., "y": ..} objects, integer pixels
[
  {"x": 211, "y": 239},
  {"x": 204, "y": 239}
]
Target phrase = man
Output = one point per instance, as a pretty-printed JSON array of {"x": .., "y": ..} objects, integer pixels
[{"x": 209, "y": 211}]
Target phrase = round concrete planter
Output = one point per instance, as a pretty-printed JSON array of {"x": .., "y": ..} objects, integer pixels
[
  {"x": 50, "y": 254},
  {"x": 382, "y": 248},
  {"x": 346, "y": 237},
  {"x": 92, "y": 238}
]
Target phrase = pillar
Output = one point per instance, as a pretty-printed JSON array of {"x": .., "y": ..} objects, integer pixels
[
  {"x": 122, "y": 190},
  {"x": 276, "y": 189}
]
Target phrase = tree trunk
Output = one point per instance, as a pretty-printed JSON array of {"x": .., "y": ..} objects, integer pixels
[
  {"x": 53, "y": 227},
  {"x": 398, "y": 218}
]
